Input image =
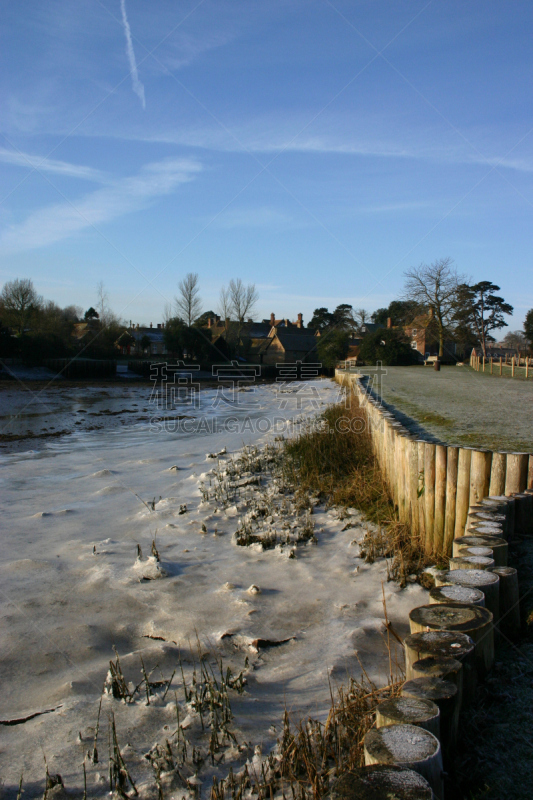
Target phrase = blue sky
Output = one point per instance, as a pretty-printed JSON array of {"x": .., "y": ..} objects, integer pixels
[{"x": 315, "y": 148}]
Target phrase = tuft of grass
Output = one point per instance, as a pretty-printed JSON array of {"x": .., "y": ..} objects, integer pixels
[
  {"x": 311, "y": 754},
  {"x": 335, "y": 460}
]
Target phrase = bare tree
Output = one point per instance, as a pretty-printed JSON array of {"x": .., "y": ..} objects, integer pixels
[
  {"x": 106, "y": 315},
  {"x": 102, "y": 303},
  {"x": 243, "y": 299},
  {"x": 516, "y": 339},
  {"x": 188, "y": 304},
  {"x": 224, "y": 305},
  {"x": 167, "y": 312},
  {"x": 19, "y": 300},
  {"x": 434, "y": 286}
]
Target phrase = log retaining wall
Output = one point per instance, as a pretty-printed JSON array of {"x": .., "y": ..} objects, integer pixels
[{"x": 433, "y": 485}]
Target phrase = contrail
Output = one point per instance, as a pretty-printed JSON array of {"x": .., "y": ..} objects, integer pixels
[{"x": 138, "y": 88}]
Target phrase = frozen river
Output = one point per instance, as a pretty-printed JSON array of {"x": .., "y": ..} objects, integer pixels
[{"x": 71, "y": 587}]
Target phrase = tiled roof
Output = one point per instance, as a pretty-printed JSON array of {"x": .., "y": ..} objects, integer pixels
[{"x": 297, "y": 341}]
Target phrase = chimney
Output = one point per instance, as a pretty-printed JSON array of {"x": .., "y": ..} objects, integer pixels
[
  {"x": 209, "y": 322},
  {"x": 287, "y": 323},
  {"x": 272, "y": 319},
  {"x": 300, "y": 322},
  {"x": 431, "y": 312},
  {"x": 151, "y": 325},
  {"x": 159, "y": 326},
  {"x": 389, "y": 322},
  {"x": 250, "y": 321}
]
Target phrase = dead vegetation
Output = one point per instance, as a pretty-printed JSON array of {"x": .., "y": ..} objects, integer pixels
[
  {"x": 311, "y": 754},
  {"x": 335, "y": 461}
]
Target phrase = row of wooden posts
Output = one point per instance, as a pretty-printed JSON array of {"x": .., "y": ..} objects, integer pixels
[
  {"x": 433, "y": 485},
  {"x": 482, "y": 364},
  {"x": 466, "y": 504},
  {"x": 450, "y": 649}
]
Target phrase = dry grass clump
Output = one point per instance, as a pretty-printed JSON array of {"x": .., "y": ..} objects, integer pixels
[
  {"x": 335, "y": 460},
  {"x": 312, "y": 754}
]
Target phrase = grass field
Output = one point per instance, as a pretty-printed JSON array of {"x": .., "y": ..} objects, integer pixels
[{"x": 458, "y": 405}]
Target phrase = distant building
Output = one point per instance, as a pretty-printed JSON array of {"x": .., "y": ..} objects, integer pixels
[
  {"x": 270, "y": 341},
  {"x": 423, "y": 335},
  {"x": 156, "y": 346}
]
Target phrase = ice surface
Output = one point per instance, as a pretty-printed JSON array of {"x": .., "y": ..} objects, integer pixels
[{"x": 72, "y": 587}]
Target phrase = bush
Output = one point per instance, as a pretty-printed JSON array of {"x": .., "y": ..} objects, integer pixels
[
  {"x": 389, "y": 346},
  {"x": 333, "y": 347}
]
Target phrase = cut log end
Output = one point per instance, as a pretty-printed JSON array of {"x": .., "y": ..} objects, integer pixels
[
  {"x": 466, "y": 618},
  {"x": 454, "y": 593},
  {"x": 409, "y": 710},
  {"x": 381, "y": 782},
  {"x": 472, "y": 562},
  {"x": 407, "y": 746},
  {"x": 475, "y": 621},
  {"x": 434, "y": 689},
  {"x": 438, "y": 667}
]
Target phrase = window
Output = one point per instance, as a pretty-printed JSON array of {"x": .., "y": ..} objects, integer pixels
[
  {"x": 413, "y": 345},
  {"x": 414, "y": 332}
]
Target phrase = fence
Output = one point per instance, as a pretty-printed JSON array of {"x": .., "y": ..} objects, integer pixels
[
  {"x": 433, "y": 485},
  {"x": 513, "y": 367}
]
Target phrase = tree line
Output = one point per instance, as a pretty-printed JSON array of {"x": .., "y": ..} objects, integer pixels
[
  {"x": 459, "y": 311},
  {"x": 463, "y": 312}
]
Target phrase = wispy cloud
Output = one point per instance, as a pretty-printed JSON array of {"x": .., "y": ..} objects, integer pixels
[
  {"x": 57, "y": 222},
  {"x": 138, "y": 88},
  {"x": 344, "y": 136},
  {"x": 42, "y": 164}
]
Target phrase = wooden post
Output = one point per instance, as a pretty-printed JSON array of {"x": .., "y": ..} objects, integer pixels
[
  {"x": 516, "y": 472},
  {"x": 527, "y": 367},
  {"x": 454, "y": 593},
  {"x": 452, "y": 456},
  {"x": 509, "y": 621},
  {"x": 429, "y": 494},
  {"x": 471, "y": 562},
  {"x": 403, "y": 479},
  {"x": 440, "y": 499},
  {"x": 444, "y": 668},
  {"x": 438, "y": 644},
  {"x": 381, "y": 782},
  {"x": 483, "y": 363},
  {"x": 491, "y": 361},
  {"x": 475, "y": 621},
  {"x": 479, "y": 475},
  {"x": 484, "y": 580},
  {"x": 497, "y": 474},
  {"x": 529, "y": 473},
  {"x": 498, "y": 546},
  {"x": 420, "y": 494},
  {"x": 463, "y": 490},
  {"x": 445, "y": 695},
  {"x": 524, "y": 514},
  {"x": 409, "y": 711},
  {"x": 500, "y": 366},
  {"x": 413, "y": 486},
  {"x": 408, "y": 746},
  {"x": 512, "y": 368}
]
